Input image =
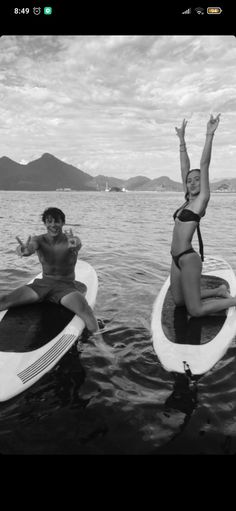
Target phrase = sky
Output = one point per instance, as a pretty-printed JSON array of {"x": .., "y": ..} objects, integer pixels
[{"x": 109, "y": 104}]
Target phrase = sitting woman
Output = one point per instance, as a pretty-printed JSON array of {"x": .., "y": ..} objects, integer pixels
[{"x": 186, "y": 265}]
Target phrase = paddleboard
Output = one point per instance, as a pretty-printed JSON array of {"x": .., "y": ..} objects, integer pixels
[
  {"x": 33, "y": 338},
  {"x": 194, "y": 344}
]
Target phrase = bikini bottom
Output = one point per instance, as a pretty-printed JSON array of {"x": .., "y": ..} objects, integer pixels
[{"x": 177, "y": 257}]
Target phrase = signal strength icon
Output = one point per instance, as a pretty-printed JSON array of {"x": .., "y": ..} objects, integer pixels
[{"x": 188, "y": 11}]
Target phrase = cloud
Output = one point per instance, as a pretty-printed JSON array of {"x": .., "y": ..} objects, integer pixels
[{"x": 112, "y": 102}]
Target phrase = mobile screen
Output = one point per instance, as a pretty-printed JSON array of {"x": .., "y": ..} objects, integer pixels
[{"x": 103, "y": 113}]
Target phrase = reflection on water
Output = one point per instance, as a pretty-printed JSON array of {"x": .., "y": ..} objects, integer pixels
[
  {"x": 109, "y": 394},
  {"x": 184, "y": 395}
]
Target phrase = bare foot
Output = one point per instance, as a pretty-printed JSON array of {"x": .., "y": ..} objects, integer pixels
[
  {"x": 100, "y": 331},
  {"x": 223, "y": 292}
]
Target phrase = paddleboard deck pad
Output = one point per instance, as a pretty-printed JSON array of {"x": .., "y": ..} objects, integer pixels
[
  {"x": 181, "y": 341},
  {"x": 33, "y": 338}
]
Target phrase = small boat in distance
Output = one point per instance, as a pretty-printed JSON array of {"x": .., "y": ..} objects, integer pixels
[
  {"x": 114, "y": 188},
  {"x": 63, "y": 189}
]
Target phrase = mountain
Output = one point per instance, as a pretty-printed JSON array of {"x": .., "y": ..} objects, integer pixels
[
  {"x": 224, "y": 185},
  {"x": 130, "y": 184},
  {"x": 139, "y": 183},
  {"x": 50, "y": 173},
  {"x": 45, "y": 173},
  {"x": 135, "y": 183},
  {"x": 99, "y": 182},
  {"x": 162, "y": 183}
]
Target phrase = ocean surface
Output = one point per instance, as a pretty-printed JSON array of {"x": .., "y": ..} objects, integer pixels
[{"x": 109, "y": 394}]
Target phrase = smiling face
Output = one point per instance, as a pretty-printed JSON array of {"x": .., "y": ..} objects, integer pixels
[
  {"x": 193, "y": 183},
  {"x": 54, "y": 226}
]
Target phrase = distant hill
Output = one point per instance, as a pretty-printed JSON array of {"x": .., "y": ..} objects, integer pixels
[
  {"x": 45, "y": 173},
  {"x": 162, "y": 183},
  {"x": 227, "y": 185},
  {"x": 50, "y": 173},
  {"x": 139, "y": 183},
  {"x": 135, "y": 183},
  {"x": 130, "y": 184},
  {"x": 99, "y": 182}
]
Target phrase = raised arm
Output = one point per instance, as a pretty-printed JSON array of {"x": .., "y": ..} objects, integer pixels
[
  {"x": 74, "y": 242},
  {"x": 184, "y": 158},
  {"x": 206, "y": 156}
]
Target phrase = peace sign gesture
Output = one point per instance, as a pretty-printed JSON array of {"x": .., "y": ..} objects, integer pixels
[
  {"x": 23, "y": 248},
  {"x": 73, "y": 241},
  {"x": 180, "y": 132}
]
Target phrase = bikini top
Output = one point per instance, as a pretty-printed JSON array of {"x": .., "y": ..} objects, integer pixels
[{"x": 186, "y": 215}]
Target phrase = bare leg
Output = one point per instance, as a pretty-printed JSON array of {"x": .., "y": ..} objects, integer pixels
[
  {"x": 191, "y": 267},
  {"x": 21, "y": 296},
  {"x": 176, "y": 285},
  {"x": 220, "y": 291},
  {"x": 77, "y": 303},
  {"x": 177, "y": 292}
]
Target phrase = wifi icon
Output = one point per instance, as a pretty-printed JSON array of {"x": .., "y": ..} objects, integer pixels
[{"x": 199, "y": 10}]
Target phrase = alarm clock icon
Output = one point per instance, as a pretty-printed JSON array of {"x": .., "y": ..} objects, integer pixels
[{"x": 36, "y": 10}]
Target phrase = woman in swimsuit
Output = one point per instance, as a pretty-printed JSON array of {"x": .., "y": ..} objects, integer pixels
[{"x": 186, "y": 265}]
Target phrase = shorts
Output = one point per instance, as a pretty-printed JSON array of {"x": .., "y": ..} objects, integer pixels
[{"x": 52, "y": 290}]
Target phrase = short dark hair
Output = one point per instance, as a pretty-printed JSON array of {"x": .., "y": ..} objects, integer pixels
[
  {"x": 189, "y": 172},
  {"x": 54, "y": 213}
]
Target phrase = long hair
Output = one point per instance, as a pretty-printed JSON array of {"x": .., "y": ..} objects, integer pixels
[{"x": 189, "y": 172}]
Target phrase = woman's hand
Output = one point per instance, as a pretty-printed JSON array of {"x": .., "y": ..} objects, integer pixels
[
  {"x": 213, "y": 124},
  {"x": 180, "y": 132}
]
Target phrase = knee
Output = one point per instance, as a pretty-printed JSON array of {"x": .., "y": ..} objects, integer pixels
[
  {"x": 195, "y": 311},
  {"x": 178, "y": 302},
  {"x": 4, "y": 303},
  {"x": 3, "y": 299}
]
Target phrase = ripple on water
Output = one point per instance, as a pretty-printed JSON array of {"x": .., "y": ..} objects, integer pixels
[{"x": 112, "y": 395}]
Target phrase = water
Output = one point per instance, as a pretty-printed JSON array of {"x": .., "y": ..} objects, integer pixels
[{"x": 110, "y": 395}]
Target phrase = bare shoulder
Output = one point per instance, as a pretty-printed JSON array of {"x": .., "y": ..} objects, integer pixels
[{"x": 37, "y": 239}]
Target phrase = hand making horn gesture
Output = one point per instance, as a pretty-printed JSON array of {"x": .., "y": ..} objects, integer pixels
[{"x": 212, "y": 124}]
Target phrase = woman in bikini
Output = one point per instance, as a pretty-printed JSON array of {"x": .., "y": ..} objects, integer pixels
[{"x": 186, "y": 265}]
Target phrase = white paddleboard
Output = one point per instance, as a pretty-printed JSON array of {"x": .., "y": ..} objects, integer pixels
[
  {"x": 26, "y": 327},
  {"x": 198, "y": 342}
]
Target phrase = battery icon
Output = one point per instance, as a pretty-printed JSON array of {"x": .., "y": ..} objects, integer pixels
[{"x": 214, "y": 10}]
